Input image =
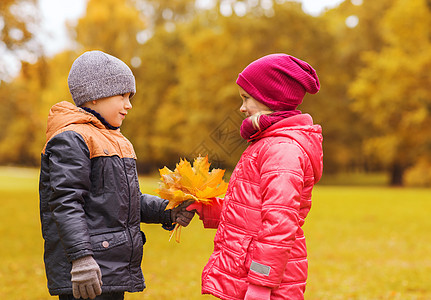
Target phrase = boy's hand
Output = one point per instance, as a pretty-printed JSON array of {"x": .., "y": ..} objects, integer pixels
[
  {"x": 181, "y": 215},
  {"x": 86, "y": 278}
]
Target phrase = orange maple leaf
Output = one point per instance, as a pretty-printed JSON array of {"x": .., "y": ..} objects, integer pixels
[{"x": 187, "y": 182}]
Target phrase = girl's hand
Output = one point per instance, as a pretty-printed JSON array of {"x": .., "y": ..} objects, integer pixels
[{"x": 195, "y": 207}]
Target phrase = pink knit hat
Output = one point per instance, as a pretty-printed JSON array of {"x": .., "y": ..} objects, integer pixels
[{"x": 279, "y": 81}]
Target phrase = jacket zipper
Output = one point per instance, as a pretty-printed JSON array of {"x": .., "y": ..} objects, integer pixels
[{"x": 128, "y": 217}]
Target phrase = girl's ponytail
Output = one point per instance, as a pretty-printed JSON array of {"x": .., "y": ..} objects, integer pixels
[{"x": 255, "y": 119}]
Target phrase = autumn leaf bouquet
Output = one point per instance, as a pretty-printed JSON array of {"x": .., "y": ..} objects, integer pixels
[{"x": 189, "y": 182}]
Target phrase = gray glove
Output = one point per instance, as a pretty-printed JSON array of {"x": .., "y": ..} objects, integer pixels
[
  {"x": 86, "y": 278},
  {"x": 181, "y": 215}
]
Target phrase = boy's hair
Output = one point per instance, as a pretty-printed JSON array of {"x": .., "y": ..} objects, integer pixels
[{"x": 95, "y": 75}]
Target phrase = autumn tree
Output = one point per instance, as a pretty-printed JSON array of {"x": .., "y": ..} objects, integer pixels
[
  {"x": 186, "y": 59},
  {"x": 162, "y": 12},
  {"x": 392, "y": 90},
  {"x": 354, "y": 29},
  {"x": 27, "y": 98},
  {"x": 111, "y": 26},
  {"x": 21, "y": 125},
  {"x": 19, "y": 20},
  {"x": 188, "y": 76},
  {"x": 155, "y": 80}
]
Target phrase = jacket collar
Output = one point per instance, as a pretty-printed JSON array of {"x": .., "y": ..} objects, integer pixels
[
  {"x": 64, "y": 114},
  {"x": 301, "y": 129}
]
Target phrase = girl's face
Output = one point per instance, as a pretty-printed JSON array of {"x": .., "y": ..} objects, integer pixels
[
  {"x": 113, "y": 109},
  {"x": 250, "y": 106}
]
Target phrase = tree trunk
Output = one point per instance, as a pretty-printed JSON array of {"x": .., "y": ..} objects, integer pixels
[{"x": 397, "y": 175}]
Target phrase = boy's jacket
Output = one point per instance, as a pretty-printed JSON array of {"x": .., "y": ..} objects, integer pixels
[{"x": 90, "y": 202}]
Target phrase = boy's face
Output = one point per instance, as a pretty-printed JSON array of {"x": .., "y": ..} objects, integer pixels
[{"x": 113, "y": 109}]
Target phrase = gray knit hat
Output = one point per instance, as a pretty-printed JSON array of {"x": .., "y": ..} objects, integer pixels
[{"x": 96, "y": 75}]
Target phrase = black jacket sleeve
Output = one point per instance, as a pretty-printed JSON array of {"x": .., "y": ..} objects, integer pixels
[
  {"x": 153, "y": 210},
  {"x": 69, "y": 172}
]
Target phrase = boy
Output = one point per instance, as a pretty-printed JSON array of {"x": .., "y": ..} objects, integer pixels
[{"x": 90, "y": 202}]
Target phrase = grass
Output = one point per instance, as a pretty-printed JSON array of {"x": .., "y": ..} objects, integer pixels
[
  {"x": 355, "y": 179},
  {"x": 365, "y": 242}
]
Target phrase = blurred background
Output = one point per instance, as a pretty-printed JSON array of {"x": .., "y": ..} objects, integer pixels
[
  {"x": 373, "y": 59},
  {"x": 367, "y": 237}
]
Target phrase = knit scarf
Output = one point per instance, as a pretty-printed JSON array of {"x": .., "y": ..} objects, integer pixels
[
  {"x": 249, "y": 132},
  {"x": 99, "y": 116}
]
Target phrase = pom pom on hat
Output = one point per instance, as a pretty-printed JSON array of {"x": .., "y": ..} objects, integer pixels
[
  {"x": 279, "y": 81},
  {"x": 95, "y": 75}
]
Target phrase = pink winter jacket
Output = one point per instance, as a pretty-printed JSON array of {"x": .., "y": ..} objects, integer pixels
[{"x": 259, "y": 239}]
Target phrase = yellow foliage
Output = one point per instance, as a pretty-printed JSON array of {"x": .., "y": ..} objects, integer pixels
[
  {"x": 187, "y": 182},
  {"x": 420, "y": 174}
]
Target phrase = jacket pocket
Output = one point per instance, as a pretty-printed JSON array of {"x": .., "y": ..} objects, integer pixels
[{"x": 105, "y": 241}]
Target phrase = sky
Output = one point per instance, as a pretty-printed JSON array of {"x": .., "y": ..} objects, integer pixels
[{"x": 56, "y": 12}]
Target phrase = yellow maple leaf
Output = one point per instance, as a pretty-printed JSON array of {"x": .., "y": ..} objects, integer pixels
[{"x": 191, "y": 182}]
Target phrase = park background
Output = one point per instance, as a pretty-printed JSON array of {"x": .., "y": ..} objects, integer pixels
[{"x": 368, "y": 231}]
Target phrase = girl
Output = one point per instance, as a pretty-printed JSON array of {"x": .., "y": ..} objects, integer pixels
[{"x": 259, "y": 247}]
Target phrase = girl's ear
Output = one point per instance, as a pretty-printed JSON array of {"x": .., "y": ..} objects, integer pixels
[{"x": 94, "y": 102}]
